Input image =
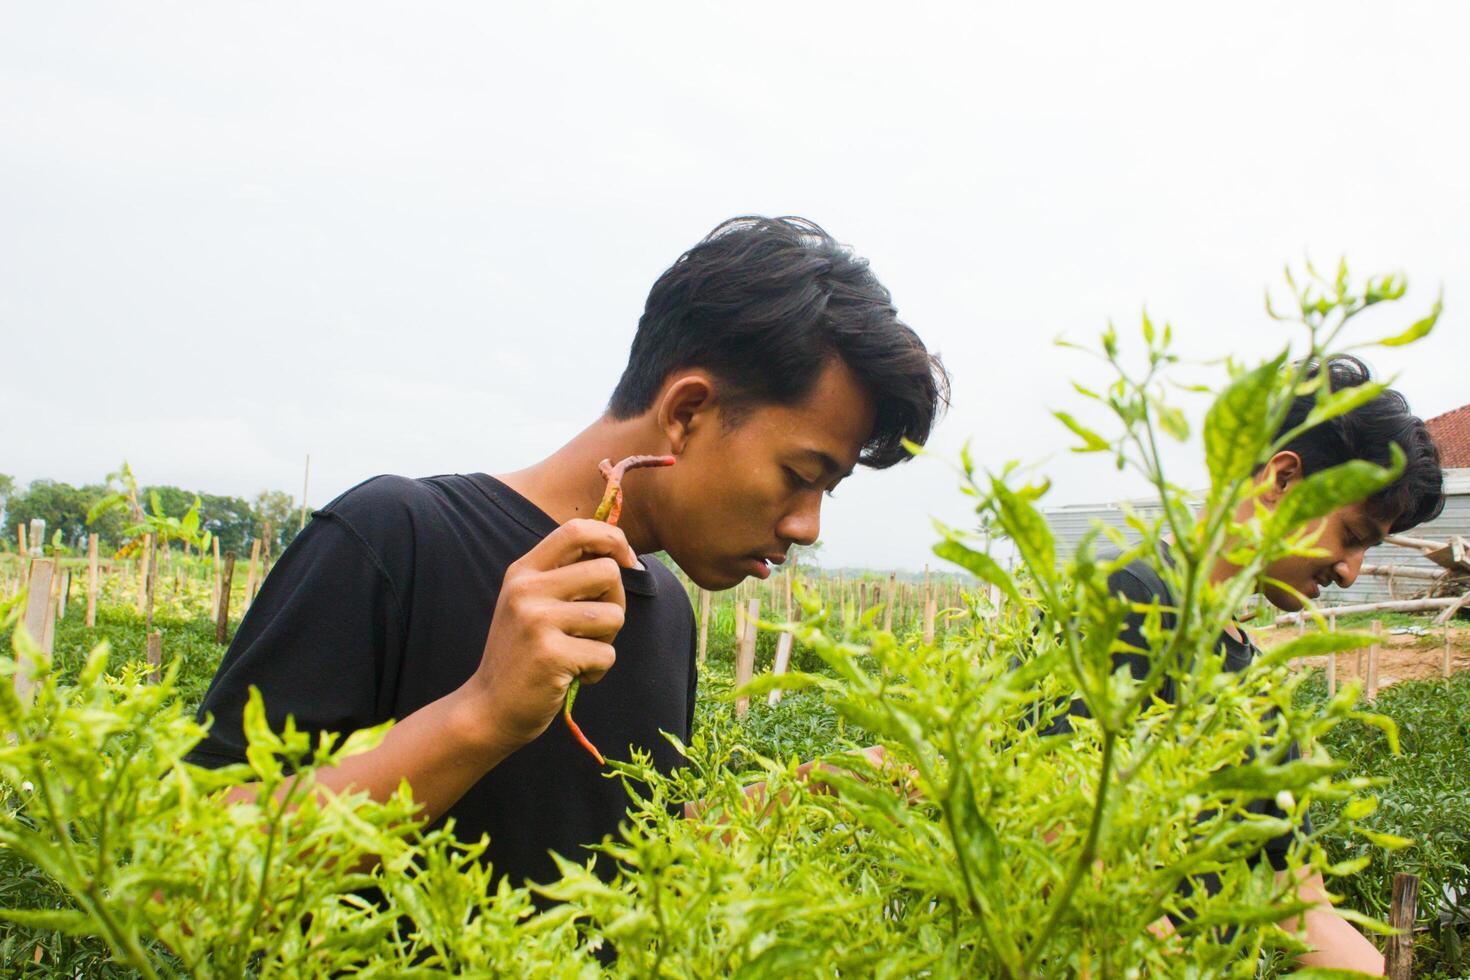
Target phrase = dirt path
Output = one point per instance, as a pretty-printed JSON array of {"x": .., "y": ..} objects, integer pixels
[{"x": 1401, "y": 657}]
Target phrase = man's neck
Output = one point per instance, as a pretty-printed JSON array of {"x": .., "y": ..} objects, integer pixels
[
  {"x": 1222, "y": 571},
  {"x": 568, "y": 485}
]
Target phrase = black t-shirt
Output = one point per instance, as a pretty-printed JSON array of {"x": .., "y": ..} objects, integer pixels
[
  {"x": 381, "y": 606},
  {"x": 1140, "y": 583}
]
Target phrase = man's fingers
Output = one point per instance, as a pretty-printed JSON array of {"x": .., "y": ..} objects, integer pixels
[
  {"x": 589, "y": 659},
  {"x": 589, "y": 620},
  {"x": 595, "y": 578},
  {"x": 579, "y": 539}
]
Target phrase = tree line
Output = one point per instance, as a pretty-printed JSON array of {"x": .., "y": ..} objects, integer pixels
[{"x": 235, "y": 521}]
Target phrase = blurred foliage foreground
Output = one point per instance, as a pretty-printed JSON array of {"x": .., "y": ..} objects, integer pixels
[{"x": 983, "y": 847}]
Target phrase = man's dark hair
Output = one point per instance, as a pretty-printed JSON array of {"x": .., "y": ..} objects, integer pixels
[
  {"x": 1367, "y": 433},
  {"x": 764, "y": 304}
]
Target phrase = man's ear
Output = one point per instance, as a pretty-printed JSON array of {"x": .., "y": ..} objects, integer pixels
[
  {"x": 1282, "y": 470},
  {"x": 685, "y": 406}
]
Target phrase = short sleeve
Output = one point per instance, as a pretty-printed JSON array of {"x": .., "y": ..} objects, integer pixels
[{"x": 321, "y": 641}]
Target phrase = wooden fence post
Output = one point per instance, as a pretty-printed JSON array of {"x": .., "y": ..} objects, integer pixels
[
  {"x": 250, "y": 579},
  {"x": 222, "y": 616},
  {"x": 92, "y": 580},
  {"x": 929, "y": 611},
  {"x": 38, "y": 619},
  {"x": 703, "y": 624},
  {"x": 214, "y": 590},
  {"x": 745, "y": 655},
  {"x": 145, "y": 560},
  {"x": 739, "y": 620},
  {"x": 1445, "y": 666},
  {"x": 1372, "y": 688},
  {"x": 783, "y": 660},
  {"x": 63, "y": 593},
  {"x": 155, "y": 656},
  {"x": 889, "y": 598},
  {"x": 1399, "y": 957}
]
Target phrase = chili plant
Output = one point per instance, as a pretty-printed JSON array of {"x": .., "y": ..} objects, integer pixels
[{"x": 983, "y": 845}]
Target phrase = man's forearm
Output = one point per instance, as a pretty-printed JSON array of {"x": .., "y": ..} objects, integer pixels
[{"x": 442, "y": 750}]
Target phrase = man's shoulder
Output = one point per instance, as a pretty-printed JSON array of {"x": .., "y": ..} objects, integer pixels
[
  {"x": 1138, "y": 580},
  {"x": 389, "y": 500}
]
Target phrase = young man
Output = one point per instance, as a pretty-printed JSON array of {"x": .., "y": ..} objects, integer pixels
[
  {"x": 769, "y": 361},
  {"x": 1368, "y": 433}
]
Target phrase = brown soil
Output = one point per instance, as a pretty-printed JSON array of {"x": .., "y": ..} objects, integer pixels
[{"x": 1401, "y": 657}]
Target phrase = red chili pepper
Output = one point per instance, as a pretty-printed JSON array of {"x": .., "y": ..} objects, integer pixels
[{"x": 610, "y": 509}]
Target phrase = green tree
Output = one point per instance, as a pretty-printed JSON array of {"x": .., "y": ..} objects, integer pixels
[
  {"x": 62, "y": 506},
  {"x": 280, "y": 509}
]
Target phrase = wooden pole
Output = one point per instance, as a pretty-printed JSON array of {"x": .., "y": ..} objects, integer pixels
[
  {"x": 37, "y": 620},
  {"x": 222, "y": 615},
  {"x": 146, "y": 555},
  {"x": 63, "y": 593},
  {"x": 92, "y": 580},
  {"x": 250, "y": 579},
  {"x": 305, "y": 485},
  {"x": 1373, "y": 659},
  {"x": 157, "y": 546},
  {"x": 783, "y": 660},
  {"x": 214, "y": 592},
  {"x": 889, "y": 598},
  {"x": 929, "y": 611},
  {"x": 1399, "y": 956},
  {"x": 739, "y": 620},
  {"x": 1445, "y": 666},
  {"x": 745, "y": 656},
  {"x": 155, "y": 656},
  {"x": 38, "y": 537},
  {"x": 1331, "y": 658},
  {"x": 703, "y": 624},
  {"x": 1402, "y": 605}
]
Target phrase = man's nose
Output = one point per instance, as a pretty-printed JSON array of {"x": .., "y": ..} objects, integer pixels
[
  {"x": 804, "y": 524},
  {"x": 1345, "y": 572}
]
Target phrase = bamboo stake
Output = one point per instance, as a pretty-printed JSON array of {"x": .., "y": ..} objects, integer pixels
[
  {"x": 214, "y": 592},
  {"x": 92, "y": 580},
  {"x": 703, "y": 624},
  {"x": 783, "y": 660},
  {"x": 745, "y": 656},
  {"x": 250, "y": 579},
  {"x": 1399, "y": 956},
  {"x": 155, "y": 656},
  {"x": 37, "y": 620},
  {"x": 1373, "y": 659},
  {"x": 146, "y": 556},
  {"x": 888, "y": 603},
  {"x": 305, "y": 485},
  {"x": 1331, "y": 659},
  {"x": 222, "y": 615}
]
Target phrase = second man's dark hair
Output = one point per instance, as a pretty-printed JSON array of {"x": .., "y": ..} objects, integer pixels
[
  {"x": 764, "y": 304},
  {"x": 1366, "y": 433}
]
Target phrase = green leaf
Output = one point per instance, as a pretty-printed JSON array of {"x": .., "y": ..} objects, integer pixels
[
  {"x": 979, "y": 564},
  {"x": 1389, "y": 842},
  {"x": 1092, "y": 442},
  {"x": 68, "y": 922},
  {"x": 1419, "y": 329},
  {"x": 1314, "y": 645},
  {"x": 1238, "y": 425}
]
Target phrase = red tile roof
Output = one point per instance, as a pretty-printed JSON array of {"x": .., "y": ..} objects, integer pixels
[{"x": 1451, "y": 433}]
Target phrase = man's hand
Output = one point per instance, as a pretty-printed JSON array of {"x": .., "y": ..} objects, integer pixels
[{"x": 559, "y": 609}]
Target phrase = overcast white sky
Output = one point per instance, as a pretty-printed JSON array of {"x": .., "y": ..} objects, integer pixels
[{"x": 416, "y": 238}]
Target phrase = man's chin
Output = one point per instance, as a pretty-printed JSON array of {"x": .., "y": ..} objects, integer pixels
[{"x": 1285, "y": 601}]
